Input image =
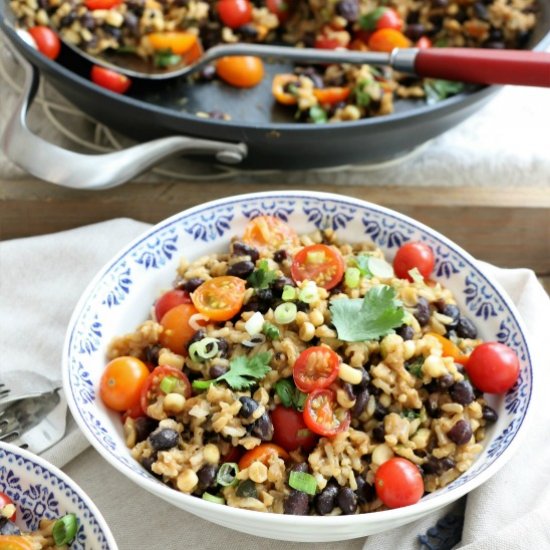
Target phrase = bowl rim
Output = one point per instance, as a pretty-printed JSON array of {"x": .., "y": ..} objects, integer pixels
[
  {"x": 386, "y": 516},
  {"x": 37, "y": 460}
]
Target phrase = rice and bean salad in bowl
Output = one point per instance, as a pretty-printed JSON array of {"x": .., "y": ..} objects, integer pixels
[
  {"x": 175, "y": 32},
  {"x": 306, "y": 375}
]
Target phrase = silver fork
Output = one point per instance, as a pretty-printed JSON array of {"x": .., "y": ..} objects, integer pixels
[{"x": 22, "y": 385}]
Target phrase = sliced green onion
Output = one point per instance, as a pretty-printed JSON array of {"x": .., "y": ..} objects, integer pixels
[
  {"x": 247, "y": 489},
  {"x": 299, "y": 399},
  {"x": 380, "y": 268},
  {"x": 289, "y": 293},
  {"x": 285, "y": 313},
  {"x": 227, "y": 474},
  {"x": 309, "y": 293},
  {"x": 303, "y": 482},
  {"x": 201, "y": 385},
  {"x": 416, "y": 276},
  {"x": 285, "y": 391},
  {"x": 352, "y": 278},
  {"x": 271, "y": 331},
  {"x": 198, "y": 351},
  {"x": 213, "y": 498},
  {"x": 317, "y": 257},
  {"x": 64, "y": 530},
  {"x": 168, "y": 384},
  {"x": 254, "y": 325}
]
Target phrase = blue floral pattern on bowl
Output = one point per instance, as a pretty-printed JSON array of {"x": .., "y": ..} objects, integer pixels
[{"x": 213, "y": 224}]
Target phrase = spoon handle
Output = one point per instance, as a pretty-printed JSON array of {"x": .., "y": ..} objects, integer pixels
[{"x": 483, "y": 66}]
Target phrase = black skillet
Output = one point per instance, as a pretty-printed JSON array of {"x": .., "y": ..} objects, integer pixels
[{"x": 272, "y": 138}]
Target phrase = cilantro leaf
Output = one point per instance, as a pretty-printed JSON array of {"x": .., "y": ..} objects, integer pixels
[
  {"x": 244, "y": 371},
  {"x": 362, "y": 263},
  {"x": 437, "y": 89},
  {"x": 376, "y": 315},
  {"x": 410, "y": 414},
  {"x": 415, "y": 367},
  {"x": 317, "y": 115},
  {"x": 262, "y": 277}
]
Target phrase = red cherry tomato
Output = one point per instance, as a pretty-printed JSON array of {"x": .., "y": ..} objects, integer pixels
[
  {"x": 5, "y": 501},
  {"x": 235, "y": 13},
  {"x": 326, "y": 43},
  {"x": 389, "y": 19},
  {"x": 320, "y": 263},
  {"x": 398, "y": 483},
  {"x": 262, "y": 453},
  {"x": 46, "y": 40},
  {"x": 414, "y": 254},
  {"x": 280, "y": 8},
  {"x": 290, "y": 430},
  {"x": 493, "y": 367},
  {"x": 316, "y": 368},
  {"x": 102, "y": 4},
  {"x": 113, "y": 81},
  {"x": 322, "y": 416},
  {"x": 234, "y": 455},
  {"x": 151, "y": 389},
  {"x": 424, "y": 42},
  {"x": 169, "y": 300},
  {"x": 331, "y": 95}
]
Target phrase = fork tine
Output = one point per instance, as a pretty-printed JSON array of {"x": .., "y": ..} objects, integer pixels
[{"x": 10, "y": 437}]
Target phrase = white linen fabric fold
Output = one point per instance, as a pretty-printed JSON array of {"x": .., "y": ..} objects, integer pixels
[{"x": 41, "y": 279}]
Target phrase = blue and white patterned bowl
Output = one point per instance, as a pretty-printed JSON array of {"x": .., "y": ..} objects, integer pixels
[
  {"x": 40, "y": 490},
  {"x": 121, "y": 295}
]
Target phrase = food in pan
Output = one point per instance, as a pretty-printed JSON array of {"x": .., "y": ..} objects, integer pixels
[
  {"x": 174, "y": 32},
  {"x": 306, "y": 375}
]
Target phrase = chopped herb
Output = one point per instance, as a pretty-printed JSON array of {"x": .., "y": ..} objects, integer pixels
[
  {"x": 410, "y": 414},
  {"x": 262, "y": 277},
  {"x": 243, "y": 372},
  {"x": 213, "y": 498},
  {"x": 285, "y": 390},
  {"x": 362, "y": 97},
  {"x": 415, "y": 367},
  {"x": 299, "y": 399},
  {"x": 227, "y": 474},
  {"x": 126, "y": 49},
  {"x": 371, "y": 318},
  {"x": 362, "y": 263},
  {"x": 369, "y": 20},
  {"x": 166, "y": 58},
  {"x": 303, "y": 482},
  {"x": 64, "y": 530},
  {"x": 437, "y": 89},
  {"x": 317, "y": 115},
  {"x": 271, "y": 331}
]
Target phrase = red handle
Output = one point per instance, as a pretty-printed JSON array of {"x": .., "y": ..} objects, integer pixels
[{"x": 521, "y": 67}]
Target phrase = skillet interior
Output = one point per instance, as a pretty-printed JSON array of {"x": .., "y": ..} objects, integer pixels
[{"x": 156, "y": 109}]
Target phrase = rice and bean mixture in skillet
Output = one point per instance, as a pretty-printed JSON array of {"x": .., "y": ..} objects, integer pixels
[
  {"x": 289, "y": 369},
  {"x": 317, "y": 94}
]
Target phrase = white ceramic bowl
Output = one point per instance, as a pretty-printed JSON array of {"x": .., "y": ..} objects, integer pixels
[
  {"x": 121, "y": 295},
  {"x": 40, "y": 490}
]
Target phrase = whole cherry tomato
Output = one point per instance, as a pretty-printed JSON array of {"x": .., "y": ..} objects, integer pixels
[
  {"x": 262, "y": 453},
  {"x": 280, "y": 8},
  {"x": 241, "y": 71},
  {"x": 385, "y": 40},
  {"x": 414, "y": 254},
  {"x": 398, "y": 483},
  {"x": 316, "y": 368},
  {"x": 5, "y": 501},
  {"x": 322, "y": 416},
  {"x": 320, "y": 263},
  {"x": 121, "y": 383},
  {"x": 109, "y": 79},
  {"x": 46, "y": 40},
  {"x": 177, "y": 330},
  {"x": 16, "y": 542},
  {"x": 169, "y": 300},
  {"x": 389, "y": 19},
  {"x": 493, "y": 367},
  {"x": 269, "y": 233},
  {"x": 290, "y": 430},
  {"x": 161, "y": 381},
  {"x": 235, "y": 13},
  {"x": 178, "y": 42},
  {"x": 220, "y": 298},
  {"x": 101, "y": 4}
]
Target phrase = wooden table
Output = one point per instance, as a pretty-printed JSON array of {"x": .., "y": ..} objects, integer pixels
[{"x": 509, "y": 227}]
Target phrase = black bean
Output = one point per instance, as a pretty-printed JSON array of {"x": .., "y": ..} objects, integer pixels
[
  {"x": 217, "y": 370},
  {"x": 114, "y": 32},
  {"x": 313, "y": 75},
  {"x": 495, "y": 34},
  {"x": 380, "y": 411},
  {"x": 216, "y": 115},
  {"x": 280, "y": 255},
  {"x": 249, "y": 405},
  {"x": 197, "y": 337},
  {"x": 360, "y": 403},
  {"x": 365, "y": 491},
  {"x": 462, "y": 392},
  {"x": 489, "y": 414},
  {"x": 300, "y": 467},
  {"x": 296, "y": 503},
  {"x": 444, "y": 382},
  {"x": 7, "y": 527},
  {"x": 263, "y": 428},
  {"x": 348, "y": 9},
  {"x": 348, "y": 389},
  {"x": 131, "y": 22},
  {"x": 151, "y": 354},
  {"x": 415, "y": 30},
  {"x": 460, "y": 433},
  {"x": 144, "y": 426},
  {"x": 223, "y": 347},
  {"x": 241, "y": 269},
  {"x": 326, "y": 499},
  {"x": 378, "y": 433},
  {"x": 406, "y": 332},
  {"x": 255, "y": 304},
  {"x": 465, "y": 328},
  {"x": 440, "y": 3},
  {"x": 163, "y": 439},
  {"x": 523, "y": 37},
  {"x": 192, "y": 284},
  {"x": 87, "y": 21},
  {"x": 207, "y": 73},
  {"x": 147, "y": 462},
  {"x": 346, "y": 500},
  {"x": 265, "y": 295},
  {"x": 446, "y": 464},
  {"x": 279, "y": 284},
  {"x": 207, "y": 476},
  {"x": 242, "y": 249},
  {"x": 437, "y": 465},
  {"x": 422, "y": 311},
  {"x": 365, "y": 379},
  {"x": 247, "y": 489},
  {"x": 432, "y": 405},
  {"x": 481, "y": 11},
  {"x": 247, "y": 31},
  {"x": 452, "y": 311},
  {"x": 68, "y": 20}
]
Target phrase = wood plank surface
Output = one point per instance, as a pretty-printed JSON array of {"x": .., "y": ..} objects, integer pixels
[{"x": 509, "y": 227}]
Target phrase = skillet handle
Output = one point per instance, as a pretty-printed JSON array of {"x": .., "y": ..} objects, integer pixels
[{"x": 78, "y": 171}]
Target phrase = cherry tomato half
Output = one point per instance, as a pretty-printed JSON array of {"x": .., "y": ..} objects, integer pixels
[
  {"x": 290, "y": 430},
  {"x": 241, "y": 71},
  {"x": 151, "y": 389},
  {"x": 177, "y": 330},
  {"x": 326, "y": 43},
  {"x": 169, "y": 300},
  {"x": 16, "y": 542},
  {"x": 121, "y": 383},
  {"x": 279, "y": 88},
  {"x": 269, "y": 233},
  {"x": 398, "y": 483},
  {"x": 331, "y": 95},
  {"x": 262, "y": 453},
  {"x": 178, "y": 42},
  {"x": 320, "y": 263},
  {"x": 316, "y": 368},
  {"x": 280, "y": 8},
  {"x": 220, "y": 298},
  {"x": 5, "y": 500},
  {"x": 235, "y": 13},
  {"x": 450, "y": 349},
  {"x": 322, "y": 416},
  {"x": 46, "y": 40},
  {"x": 234, "y": 455},
  {"x": 102, "y": 4},
  {"x": 493, "y": 367},
  {"x": 414, "y": 254},
  {"x": 385, "y": 40},
  {"x": 389, "y": 19},
  {"x": 111, "y": 80}
]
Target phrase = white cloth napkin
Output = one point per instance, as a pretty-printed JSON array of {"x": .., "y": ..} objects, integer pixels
[{"x": 41, "y": 279}]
